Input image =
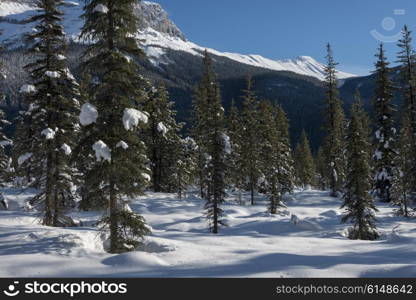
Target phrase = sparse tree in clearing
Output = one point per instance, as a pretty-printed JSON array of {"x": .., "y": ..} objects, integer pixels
[
  {"x": 359, "y": 205},
  {"x": 304, "y": 163},
  {"x": 335, "y": 123},
  {"x": 385, "y": 130},
  {"x": 217, "y": 146},
  {"x": 118, "y": 121}
]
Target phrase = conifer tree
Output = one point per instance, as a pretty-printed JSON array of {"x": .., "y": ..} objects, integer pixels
[
  {"x": 285, "y": 158},
  {"x": 217, "y": 145},
  {"x": 186, "y": 165},
  {"x": 358, "y": 202},
  {"x": 304, "y": 163},
  {"x": 236, "y": 178},
  {"x": 162, "y": 140},
  {"x": 200, "y": 128},
  {"x": 407, "y": 61},
  {"x": 402, "y": 182},
  {"x": 115, "y": 114},
  {"x": 249, "y": 141},
  {"x": 51, "y": 115},
  {"x": 4, "y": 141},
  {"x": 334, "y": 115},
  {"x": 385, "y": 131},
  {"x": 321, "y": 169},
  {"x": 267, "y": 130}
]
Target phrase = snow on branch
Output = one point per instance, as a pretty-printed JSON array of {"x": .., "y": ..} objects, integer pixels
[
  {"x": 89, "y": 114},
  {"x": 132, "y": 117},
  {"x": 102, "y": 151}
]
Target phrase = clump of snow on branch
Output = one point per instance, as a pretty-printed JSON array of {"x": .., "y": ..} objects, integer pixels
[
  {"x": 48, "y": 133},
  {"x": 89, "y": 114},
  {"x": 28, "y": 89},
  {"x": 162, "y": 128},
  {"x": 227, "y": 143},
  {"x": 23, "y": 158},
  {"x": 132, "y": 117},
  {"x": 100, "y": 8},
  {"x": 146, "y": 176},
  {"x": 122, "y": 144},
  {"x": 102, "y": 151},
  {"x": 67, "y": 149},
  {"x": 52, "y": 74}
]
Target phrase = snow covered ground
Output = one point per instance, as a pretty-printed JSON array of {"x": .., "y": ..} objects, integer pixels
[{"x": 254, "y": 245}]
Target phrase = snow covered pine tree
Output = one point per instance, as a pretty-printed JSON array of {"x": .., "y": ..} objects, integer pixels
[
  {"x": 334, "y": 140},
  {"x": 304, "y": 163},
  {"x": 115, "y": 115},
  {"x": 162, "y": 140},
  {"x": 250, "y": 140},
  {"x": 358, "y": 202},
  {"x": 407, "y": 60},
  {"x": 385, "y": 131},
  {"x": 52, "y": 113},
  {"x": 217, "y": 145}
]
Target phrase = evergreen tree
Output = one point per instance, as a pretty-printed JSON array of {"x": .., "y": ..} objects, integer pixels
[
  {"x": 162, "y": 140},
  {"x": 186, "y": 165},
  {"x": 407, "y": 60},
  {"x": 115, "y": 114},
  {"x": 200, "y": 128},
  {"x": 236, "y": 178},
  {"x": 4, "y": 141},
  {"x": 321, "y": 169},
  {"x": 402, "y": 182},
  {"x": 304, "y": 163},
  {"x": 269, "y": 157},
  {"x": 358, "y": 202},
  {"x": 385, "y": 131},
  {"x": 250, "y": 141},
  {"x": 51, "y": 116},
  {"x": 217, "y": 145},
  {"x": 285, "y": 159},
  {"x": 334, "y": 115}
]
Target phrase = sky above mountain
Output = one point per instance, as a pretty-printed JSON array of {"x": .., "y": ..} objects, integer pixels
[{"x": 286, "y": 29}]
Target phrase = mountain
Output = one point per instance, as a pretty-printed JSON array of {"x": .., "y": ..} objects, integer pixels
[
  {"x": 296, "y": 84},
  {"x": 156, "y": 32}
]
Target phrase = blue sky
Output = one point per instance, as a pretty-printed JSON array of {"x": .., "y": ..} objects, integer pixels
[{"x": 280, "y": 29}]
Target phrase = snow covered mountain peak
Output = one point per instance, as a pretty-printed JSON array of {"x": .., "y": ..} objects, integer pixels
[{"x": 156, "y": 33}]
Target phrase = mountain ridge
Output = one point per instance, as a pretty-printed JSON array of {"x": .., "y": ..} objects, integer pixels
[{"x": 156, "y": 32}]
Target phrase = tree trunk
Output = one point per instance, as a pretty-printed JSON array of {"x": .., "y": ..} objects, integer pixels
[{"x": 113, "y": 219}]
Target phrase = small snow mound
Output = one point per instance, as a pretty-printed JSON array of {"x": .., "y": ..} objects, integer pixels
[
  {"x": 156, "y": 247},
  {"x": 305, "y": 224},
  {"x": 330, "y": 214},
  {"x": 134, "y": 260}
]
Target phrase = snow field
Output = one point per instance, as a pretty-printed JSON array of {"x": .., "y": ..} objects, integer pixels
[{"x": 306, "y": 241}]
